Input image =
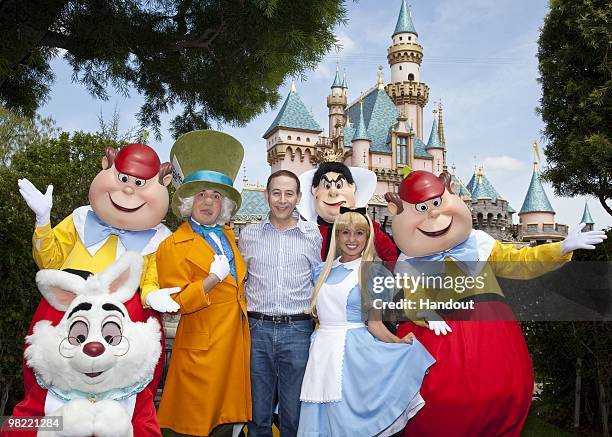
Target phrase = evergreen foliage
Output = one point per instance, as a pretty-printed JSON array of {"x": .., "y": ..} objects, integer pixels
[
  {"x": 220, "y": 60},
  {"x": 575, "y": 61}
]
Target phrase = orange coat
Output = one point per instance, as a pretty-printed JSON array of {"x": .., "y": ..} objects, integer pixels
[{"x": 208, "y": 381}]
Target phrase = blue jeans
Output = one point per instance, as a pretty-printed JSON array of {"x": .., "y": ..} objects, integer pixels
[{"x": 279, "y": 353}]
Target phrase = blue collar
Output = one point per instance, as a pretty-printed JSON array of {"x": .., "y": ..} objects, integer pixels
[{"x": 115, "y": 394}]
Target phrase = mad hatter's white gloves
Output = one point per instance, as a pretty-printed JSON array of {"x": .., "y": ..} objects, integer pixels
[
  {"x": 220, "y": 267},
  {"x": 161, "y": 301}
]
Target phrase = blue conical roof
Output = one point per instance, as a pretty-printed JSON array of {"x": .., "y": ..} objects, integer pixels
[
  {"x": 586, "y": 215},
  {"x": 481, "y": 188},
  {"x": 536, "y": 199},
  {"x": 344, "y": 85},
  {"x": 361, "y": 132},
  {"x": 294, "y": 115},
  {"x": 337, "y": 83},
  {"x": 404, "y": 20},
  {"x": 434, "y": 137}
]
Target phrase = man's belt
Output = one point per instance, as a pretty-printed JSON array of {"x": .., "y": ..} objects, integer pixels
[{"x": 279, "y": 319}]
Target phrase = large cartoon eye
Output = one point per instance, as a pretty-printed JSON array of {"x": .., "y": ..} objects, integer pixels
[
  {"x": 123, "y": 177},
  {"x": 437, "y": 201},
  {"x": 140, "y": 182},
  {"x": 339, "y": 184},
  {"x": 111, "y": 331},
  {"x": 327, "y": 185},
  {"x": 421, "y": 207},
  {"x": 78, "y": 333}
]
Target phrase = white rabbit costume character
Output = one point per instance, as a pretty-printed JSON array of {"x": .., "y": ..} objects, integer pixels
[{"x": 93, "y": 368}]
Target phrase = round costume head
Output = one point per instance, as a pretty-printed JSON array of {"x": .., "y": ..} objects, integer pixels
[
  {"x": 333, "y": 185},
  {"x": 130, "y": 191},
  {"x": 428, "y": 216},
  {"x": 205, "y": 160}
]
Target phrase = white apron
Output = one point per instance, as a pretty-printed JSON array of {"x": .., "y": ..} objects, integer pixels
[{"x": 323, "y": 376}]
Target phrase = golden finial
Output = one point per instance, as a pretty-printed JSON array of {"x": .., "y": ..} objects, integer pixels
[
  {"x": 536, "y": 155},
  {"x": 293, "y": 90},
  {"x": 245, "y": 180},
  {"x": 380, "y": 82}
]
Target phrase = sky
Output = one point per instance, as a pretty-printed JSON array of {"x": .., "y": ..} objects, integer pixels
[{"x": 479, "y": 60}]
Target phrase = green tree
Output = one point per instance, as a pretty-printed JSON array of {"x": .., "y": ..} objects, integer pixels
[
  {"x": 69, "y": 162},
  {"x": 575, "y": 62},
  {"x": 220, "y": 60},
  {"x": 16, "y": 129},
  {"x": 574, "y": 359}
]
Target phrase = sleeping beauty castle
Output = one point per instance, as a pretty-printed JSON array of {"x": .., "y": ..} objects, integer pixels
[{"x": 382, "y": 130}]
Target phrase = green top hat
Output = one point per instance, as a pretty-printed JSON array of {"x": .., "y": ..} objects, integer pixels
[{"x": 205, "y": 160}]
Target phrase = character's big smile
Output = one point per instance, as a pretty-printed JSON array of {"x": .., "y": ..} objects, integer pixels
[
  {"x": 437, "y": 233},
  {"x": 342, "y": 202},
  {"x": 94, "y": 374},
  {"x": 121, "y": 208}
]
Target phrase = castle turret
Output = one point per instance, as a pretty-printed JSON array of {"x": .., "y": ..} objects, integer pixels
[
  {"x": 360, "y": 143},
  {"x": 490, "y": 212},
  {"x": 336, "y": 103},
  {"x": 435, "y": 147},
  {"x": 587, "y": 219},
  {"x": 292, "y": 137},
  {"x": 405, "y": 55},
  {"x": 537, "y": 216}
]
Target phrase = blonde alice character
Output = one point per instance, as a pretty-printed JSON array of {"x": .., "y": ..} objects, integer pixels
[{"x": 359, "y": 380}]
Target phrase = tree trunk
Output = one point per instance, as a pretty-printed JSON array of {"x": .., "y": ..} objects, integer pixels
[
  {"x": 602, "y": 200},
  {"x": 577, "y": 392},
  {"x": 5, "y": 395},
  {"x": 603, "y": 408}
]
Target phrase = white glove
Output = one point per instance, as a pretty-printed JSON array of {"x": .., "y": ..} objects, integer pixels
[
  {"x": 161, "y": 301},
  {"x": 576, "y": 239},
  {"x": 434, "y": 322},
  {"x": 38, "y": 202},
  {"x": 220, "y": 267}
]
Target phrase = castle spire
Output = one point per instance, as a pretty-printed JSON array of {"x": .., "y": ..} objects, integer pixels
[
  {"x": 586, "y": 216},
  {"x": 380, "y": 83},
  {"x": 344, "y": 85},
  {"x": 361, "y": 132},
  {"x": 404, "y": 20},
  {"x": 536, "y": 199},
  {"x": 337, "y": 83},
  {"x": 441, "y": 135},
  {"x": 293, "y": 90}
]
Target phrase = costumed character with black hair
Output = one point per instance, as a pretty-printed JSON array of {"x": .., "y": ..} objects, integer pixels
[{"x": 333, "y": 185}]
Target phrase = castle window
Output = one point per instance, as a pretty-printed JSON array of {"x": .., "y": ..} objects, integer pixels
[
  {"x": 411, "y": 77},
  {"x": 400, "y": 67},
  {"x": 409, "y": 38},
  {"x": 400, "y": 38},
  {"x": 288, "y": 137},
  {"x": 402, "y": 149},
  {"x": 298, "y": 139},
  {"x": 307, "y": 140}
]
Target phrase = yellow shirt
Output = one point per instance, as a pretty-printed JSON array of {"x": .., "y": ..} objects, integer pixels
[
  {"x": 61, "y": 248},
  {"x": 504, "y": 260}
]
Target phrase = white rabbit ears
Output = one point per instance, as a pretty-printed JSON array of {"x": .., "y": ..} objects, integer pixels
[{"x": 120, "y": 280}]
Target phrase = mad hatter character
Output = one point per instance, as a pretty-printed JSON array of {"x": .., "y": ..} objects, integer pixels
[
  {"x": 482, "y": 383},
  {"x": 128, "y": 200},
  {"x": 208, "y": 381},
  {"x": 333, "y": 185}
]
